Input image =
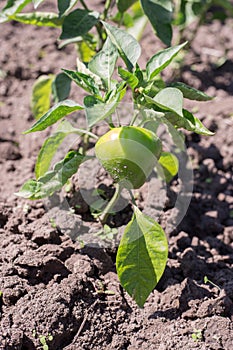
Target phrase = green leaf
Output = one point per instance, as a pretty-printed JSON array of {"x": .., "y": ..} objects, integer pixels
[
  {"x": 64, "y": 6},
  {"x": 124, "y": 5},
  {"x": 103, "y": 63},
  {"x": 53, "y": 180},
  {"x": 226, "y": 4},
  {"x": 128, "y": 47},
  {"x": 61, "y": 87},
  {"x": 55, "y": 113},
  {"x": 97, "y": 111},
  {"x": 85, "y": 81},
  {"x": 176, "y": 135},
  {"x": 169, "y": 166},
  {"x": 50, "y": 147},
  {"x": 169, "y": 99},
  {"x": 190, "y": 92},
  {"x": 86, "y": 49},
  {"x": 78, "y": 23},
  {"x": 141, "y": 256},
  {"x": 161, "y": 60},
  {"x": 188, "y": 122},
  {"x": 40, "y": 19},
  {"x": 12, "y": 7},
  {"x": 154, "y": 86},
  {"x": 139, "y": 74},
  {"x": 159, "y": 13},
  {"x": 36, "y": 3},
  {"x": 152, "y": 120},
  {"x": 28, "y": 189},
  {"x": 130, "y": 78},
  {"x": 41, "y": 92},
  {"x": 195, "y": 124}
]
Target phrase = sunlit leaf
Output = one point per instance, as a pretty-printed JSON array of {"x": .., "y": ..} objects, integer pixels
[
  {"x": 127, "y": 46},
  {"x": 53, "y": 180},
  {"x": 195, "y": 124},
  {"x": 41, "y": 92},
  {"x": 123, "y": 5},
  {"x": 56, "y": 113},
  {"x": 103, "y": 63},
  {"x": 51, "y": 145},
  {"x": 78, "y": 23},
  {"x": 159, "y": 14},
  {"x": 40, "y": 19},
  {"x": 129, "y": 77},
  {"x": 97, "y": 111},
  {"x": 64, "y": 6},
  {"x": 169, "y": 166},
  {"x": 190, "y": 92},
  {"x": 161, "y": 60},
  {"x": 12, "y": 7},
  {"x": 168, "y": 99},
  {"x": 141, "y": 256},
  {"x": 61, "y": 87}
]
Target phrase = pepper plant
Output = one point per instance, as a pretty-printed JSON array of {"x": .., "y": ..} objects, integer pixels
[{"x": 129, "y": 153}]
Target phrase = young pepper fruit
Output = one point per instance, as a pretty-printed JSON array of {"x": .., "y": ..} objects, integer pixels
[{"x": 129, "y": 154}]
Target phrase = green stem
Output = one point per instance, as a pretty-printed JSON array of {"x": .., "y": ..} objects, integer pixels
[
  {"x": 99, "y": 29},
  {"x": 106, "y": 9},
  {"x": 84, "y": 5},
  {"x": 99, "y": 26},
  {"x": 89, "y": 133},
  {"x": 108, "y": 209},
  {"x": 132, "y": 197},
  {"x": 134, "y": 118},
  {"x": 85, "y": 143}
]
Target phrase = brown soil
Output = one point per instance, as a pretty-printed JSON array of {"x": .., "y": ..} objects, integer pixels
[{"x": 50, "y": 285}]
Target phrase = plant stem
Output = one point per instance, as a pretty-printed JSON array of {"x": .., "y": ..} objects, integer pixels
[
  {"x": 84, "y": 5},
  {"x": 132, "y": 197},
  {"x": 85, "y": 143},
  {"x": 99, "y": 26},
  {"x": 107, "y": 210},
  {"x": 106, "y": 9},
  {"x": 99, "y": 29},
  {"x": 134, "y": 118}
]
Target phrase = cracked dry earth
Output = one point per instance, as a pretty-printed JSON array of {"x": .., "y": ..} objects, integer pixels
[{"x": 51, "y": 285}]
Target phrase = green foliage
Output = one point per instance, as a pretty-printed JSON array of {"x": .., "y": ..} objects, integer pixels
[
  {"x": 61, "y": 87},
  {"x": 190, "y": 92},
  {"x": 128, "y": 47},
  {"x": 52, "y": 180},
  {"x": 141, "y": 256},
  {"x": 161, "y": 60},
  {"x": 43, "y": 340},
  {"x": 40, "y": 19},
  {"x": 109, "y": 68},
  {"x": 41, "y": 91},
  {"x": 85, "y": 81},
  {"x": 123, "y": 5},
  {"x": 64, "y": 6},
  {"x": 51, "y": 145},
  {"x": 197, "y": 335},
  {"x": 56, "y": 113},
  {"x": 103, "y": 63},
  {"x": 159, "y": 14},
  {"x": 169, "y": 166},
  {"x": 12, "y": 7},
  {"x": 78, "y": 23}
]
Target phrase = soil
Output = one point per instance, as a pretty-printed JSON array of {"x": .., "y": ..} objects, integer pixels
[{"x": 52, "y": 285}]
